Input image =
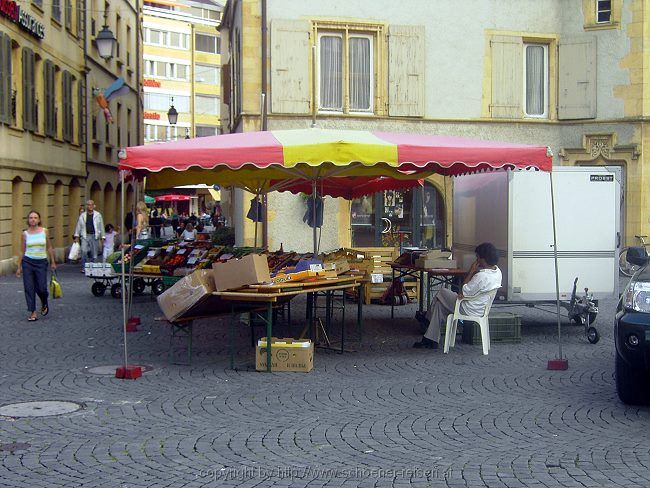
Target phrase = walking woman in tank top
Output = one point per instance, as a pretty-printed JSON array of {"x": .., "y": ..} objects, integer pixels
[{"x": 32, "y": 264}]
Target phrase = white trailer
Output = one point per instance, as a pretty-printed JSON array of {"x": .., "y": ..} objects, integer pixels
[{"x": 512, "y": 209}]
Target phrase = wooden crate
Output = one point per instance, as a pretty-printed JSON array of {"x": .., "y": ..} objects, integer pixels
[{"x": 381, "y": 258}]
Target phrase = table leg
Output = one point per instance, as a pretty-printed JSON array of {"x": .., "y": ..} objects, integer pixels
[
  {"x": 231, "y": 333},
  {"x": 360, "y": 312},
  {"x": 392, "y": 299},
  {"x": 269, "y": 334},
  {"x": 328, "y": 311},
  {"x": 343, "y": 323},
  {"x": 421, "y": 297}
]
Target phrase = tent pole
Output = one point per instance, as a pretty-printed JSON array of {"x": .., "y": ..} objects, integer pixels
[
  {"x": 123, "y": 275},
  {"x": 257, "y": 216},
  {"x": 313, "y": 215},
  {"x": 560, "y": 363}
]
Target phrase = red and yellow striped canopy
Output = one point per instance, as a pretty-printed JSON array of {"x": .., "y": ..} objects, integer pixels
[{"x": 255, "y": 159}]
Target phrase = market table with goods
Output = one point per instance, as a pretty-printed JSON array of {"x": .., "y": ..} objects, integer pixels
[{"x": 199, "y": 280}]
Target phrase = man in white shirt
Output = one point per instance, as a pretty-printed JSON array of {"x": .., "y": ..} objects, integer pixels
[
  {"x": 484, "y": 275},
  {"x": 90, "y": 229}
]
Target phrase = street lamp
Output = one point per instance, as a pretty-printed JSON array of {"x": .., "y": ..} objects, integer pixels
[
  {"x": 172, "y": 114},
  {"x": 105, "y": 40}
]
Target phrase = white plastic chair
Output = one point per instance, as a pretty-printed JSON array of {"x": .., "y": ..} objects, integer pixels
[{"x": 452, "y": 321}]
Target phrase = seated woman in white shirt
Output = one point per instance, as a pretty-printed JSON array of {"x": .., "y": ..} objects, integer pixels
[
  {"x": 484, "y": 275},
  {"x": 189, "y": 234}
]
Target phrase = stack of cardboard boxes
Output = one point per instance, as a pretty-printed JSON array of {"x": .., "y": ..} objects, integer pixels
[{"x": 436, "y": 259}]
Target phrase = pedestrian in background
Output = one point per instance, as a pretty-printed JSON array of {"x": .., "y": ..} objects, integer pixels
[
  {"x": 142, "y": 221},
  {"x": 109, "y": 241},
  {"x": 90, "y": 229},
  {"x": 35, "y": 246}
]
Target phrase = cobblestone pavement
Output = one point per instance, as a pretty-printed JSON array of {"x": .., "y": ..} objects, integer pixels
[{"x": 385, "y": 415}]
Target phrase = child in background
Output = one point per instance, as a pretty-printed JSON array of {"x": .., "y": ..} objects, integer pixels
[{"x": 109, "y": 241}]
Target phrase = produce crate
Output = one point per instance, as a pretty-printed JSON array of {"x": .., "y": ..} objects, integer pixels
[
  {"x": 505, "y": 327},
  {"x": 151, "y": 242},
  {"x": 381, "y": 258},
  {"x": 135, "y": 259},
  {"x": 170, "y": 280}
]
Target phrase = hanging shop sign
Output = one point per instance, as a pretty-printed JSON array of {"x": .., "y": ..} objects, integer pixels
[
  {"x": 13, "y": 12},
  {"x": 151, "y": 115},
  {"x": 147, "y": 82}
]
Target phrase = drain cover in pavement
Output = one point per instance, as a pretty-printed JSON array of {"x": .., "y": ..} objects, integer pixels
[
  {"x": 110, "y": 370},
  {"x": 15, "y": 446},
  {"x": 38, "y": 409}
]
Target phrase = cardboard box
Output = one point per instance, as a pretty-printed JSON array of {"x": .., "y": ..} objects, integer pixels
[
  {"x": 286, "y": 355},
  {"x": 339, "y": 265},
  {"x": 249, "y": 270},
  {"x": 436, "y": 263},
  {"x": 185, "y": 296}
]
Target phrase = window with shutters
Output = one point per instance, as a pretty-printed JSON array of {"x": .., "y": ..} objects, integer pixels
[
  {"x": 206, "y": 105},
  {"x": 50, "y": 98},
  {"x": 7, "y": 99},
  {"x": 536, "y": 80},
  {"x": 29, "y": 90},
  {"x": 80, "y": 112},
  {"x": 521, "y": 70},
  {"x": 346, "y": 74},
  {"x": 207, "y": 73},
  {"x": 207, "y": 43}
]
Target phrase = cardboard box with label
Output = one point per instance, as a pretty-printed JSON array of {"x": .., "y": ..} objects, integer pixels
[
  {"x": 249, "y": 270},
  {"x": 287, "y": 354}
]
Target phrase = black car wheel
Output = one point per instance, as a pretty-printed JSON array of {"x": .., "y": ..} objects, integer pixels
[
  {"x": 98, "y": 289},
  {"x": 630, "y": 384}
]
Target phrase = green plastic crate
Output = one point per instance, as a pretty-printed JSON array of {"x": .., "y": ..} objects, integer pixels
[
  {"x": 505, "y": 327},
  {"x": 139, "y": 256},
  {"x": 170, "y": 280}
]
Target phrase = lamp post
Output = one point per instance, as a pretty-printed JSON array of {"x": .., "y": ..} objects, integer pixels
[
  {"x": 105, "y": 40},
  {"x": 172, "y": 114}
]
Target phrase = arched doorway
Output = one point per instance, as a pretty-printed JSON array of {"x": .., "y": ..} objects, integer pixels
[
  {"x": 74, "y": 203},
  {"x": 57, "y": 230},
  {"x": 96, "y": 196},
  {"x": 130, "y": 202},
  {"x": 17, "y": 213},
  {"x": 108, "y": 207},
  {"x": 39, "y": 197}
]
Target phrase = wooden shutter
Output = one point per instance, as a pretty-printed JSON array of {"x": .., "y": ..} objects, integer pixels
[
  {"x": 28, "y": 89},
  {"x": 290, "y": 68},
  {"x": 48, "y": 82},
  {"x": 507, "y": 77},
  {"x": 81, "y": 116},
  {"x": 65, "y": 96},
  {"x": 406, "y": 51},
  {"x": 577, "y": 79},
  {"x": 5, "y": 78},
  {"x": 225, "y": 83}
]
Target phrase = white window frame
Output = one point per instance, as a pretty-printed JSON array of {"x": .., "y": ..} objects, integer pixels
[
  {"x": 215, "y": 67},
  {"x": 345, "y": 78},
  {"x": 217, "y": 46},
  {"x": 217, "y": 101},
  {"x": 165, "y": 38},
  {"x": 599, "y": 10},
  {"x": 545, "y": 113}
]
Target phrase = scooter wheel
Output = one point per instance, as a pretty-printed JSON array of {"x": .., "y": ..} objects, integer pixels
[
  {"x": 98, "y": 289},
  {"x": 592, "y": 335}
]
